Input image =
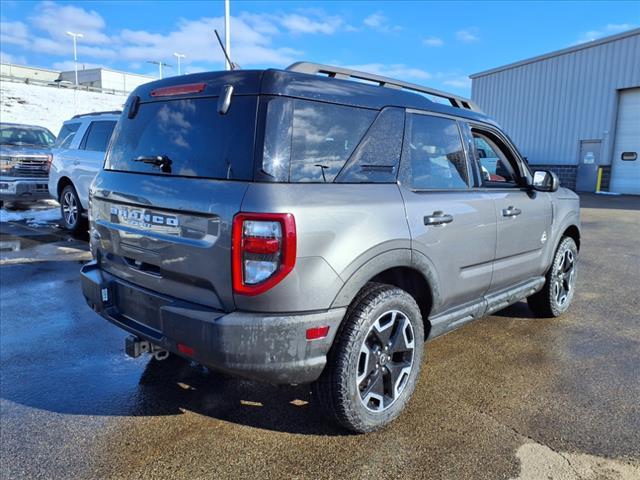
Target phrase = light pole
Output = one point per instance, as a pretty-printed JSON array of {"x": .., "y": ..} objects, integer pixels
[
  {"x": 160, "y": 65},
  {"x": 75, "y": 52},
  {"x": 179, "y": 56},
  {"x": 227, "y": 35}
]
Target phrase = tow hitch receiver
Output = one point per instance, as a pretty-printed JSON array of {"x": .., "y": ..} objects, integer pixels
[{"x": 134, "y": 347}]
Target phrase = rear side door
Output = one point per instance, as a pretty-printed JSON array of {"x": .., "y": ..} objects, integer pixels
[
  {"x": 524, "y": 216},
  {"x": 452, "y": 226},
  {"x": 89, "y": 157}
]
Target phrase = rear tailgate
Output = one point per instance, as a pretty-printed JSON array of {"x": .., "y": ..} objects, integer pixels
[
  {"x": 172, "y": 236},
  {"x": 162, "y": 209}
]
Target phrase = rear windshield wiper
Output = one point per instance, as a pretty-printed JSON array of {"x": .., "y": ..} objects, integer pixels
[{"x": 161, "y": 161}]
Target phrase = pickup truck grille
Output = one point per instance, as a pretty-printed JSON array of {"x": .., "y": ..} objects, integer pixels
[{"x": 28, "y": 166}]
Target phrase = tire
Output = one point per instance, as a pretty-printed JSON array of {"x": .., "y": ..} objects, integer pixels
[
  {"x": 71, "y": 210},
  {"x": 557, "y": 293},
  {"x": 380, "y": 315}
]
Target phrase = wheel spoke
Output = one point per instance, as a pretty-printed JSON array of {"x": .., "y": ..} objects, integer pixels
[
  {"x": 366, "y": 363},
  {"x": 402, "y": 340},
  {"x": 383, "y": 327},
  {"x": 375, "y": 389},
  {"x": 398, "y": 372}
]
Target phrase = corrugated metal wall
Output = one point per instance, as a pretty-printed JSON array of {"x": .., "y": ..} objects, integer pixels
[{"x": 549, "y": 105}]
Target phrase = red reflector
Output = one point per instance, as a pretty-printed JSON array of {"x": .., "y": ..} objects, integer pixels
[
  {"x": 184, "y": 349},
  {"x": 261, "y": 245},
  {"x": 317, "y": 333},
  {"x": 178, "y": 90}
]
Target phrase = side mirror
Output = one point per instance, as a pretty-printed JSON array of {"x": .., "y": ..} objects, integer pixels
[{"x": 545, "y": 181}]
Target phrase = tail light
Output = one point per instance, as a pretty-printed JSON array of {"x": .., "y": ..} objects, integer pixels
[{"x": 263, "y": 250}]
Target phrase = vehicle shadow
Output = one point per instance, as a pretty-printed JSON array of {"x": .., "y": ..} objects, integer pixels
[
  {"x": 173, "y": 385},
  {"x": 518, "y": 310}
]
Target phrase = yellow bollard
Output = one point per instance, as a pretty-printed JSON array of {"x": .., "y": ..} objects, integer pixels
[{"x": 599, "y": 179}]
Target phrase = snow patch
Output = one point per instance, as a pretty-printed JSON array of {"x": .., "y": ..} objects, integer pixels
[
  {"x": 33, "y": 217},
  {"x": 50, "y": 106}
]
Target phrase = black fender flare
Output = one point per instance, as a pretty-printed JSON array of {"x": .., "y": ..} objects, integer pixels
[{"x": 401, "y": 257}]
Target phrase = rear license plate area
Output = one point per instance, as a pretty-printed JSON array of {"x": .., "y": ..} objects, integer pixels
[{"x": 139, "y": 306}]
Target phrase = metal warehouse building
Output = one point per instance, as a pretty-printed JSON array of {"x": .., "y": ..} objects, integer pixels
[{"x": 575, "y": 111}]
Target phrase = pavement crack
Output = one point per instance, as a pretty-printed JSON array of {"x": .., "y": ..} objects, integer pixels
[{"x": 523, "y": 435}]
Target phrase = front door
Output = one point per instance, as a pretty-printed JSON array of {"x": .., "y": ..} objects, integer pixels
[
  {"x": 451, "y": 225},
  {"x": 588, "y": 163},
  {"x": 523, "y": 216}
]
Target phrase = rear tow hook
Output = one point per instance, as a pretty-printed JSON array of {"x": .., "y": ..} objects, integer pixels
[{"x": 134, "y": 347}]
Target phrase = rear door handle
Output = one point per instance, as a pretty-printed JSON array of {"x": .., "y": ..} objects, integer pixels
[
  {"x": 438, "y": 218},
  {"x": 511, "y": 212}
]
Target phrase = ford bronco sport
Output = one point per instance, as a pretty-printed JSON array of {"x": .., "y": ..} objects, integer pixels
[{"x": 317, "y": 225}]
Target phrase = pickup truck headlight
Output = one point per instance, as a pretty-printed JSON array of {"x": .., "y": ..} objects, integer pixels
[{"x": 6, "y": 164}]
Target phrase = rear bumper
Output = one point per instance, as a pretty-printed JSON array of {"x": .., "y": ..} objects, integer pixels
[
  {"x": 12, "y": 189},
  {"x": 266, "y": 347}
]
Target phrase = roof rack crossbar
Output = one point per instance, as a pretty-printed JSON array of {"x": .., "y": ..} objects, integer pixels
[
  {"x": 108, "y": 112},
  {"x": 348, "y": 74}
]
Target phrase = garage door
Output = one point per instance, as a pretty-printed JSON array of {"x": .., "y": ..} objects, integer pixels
[{"x": 625, "y": 168}]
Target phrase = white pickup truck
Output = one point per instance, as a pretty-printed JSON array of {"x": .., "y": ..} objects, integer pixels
[{"x": 78, "y": 156}]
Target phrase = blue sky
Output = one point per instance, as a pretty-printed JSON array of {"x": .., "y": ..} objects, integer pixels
[{"x": 434, "y": 43}]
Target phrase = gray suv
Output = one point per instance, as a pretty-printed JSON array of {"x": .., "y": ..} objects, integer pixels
[{"x": 317, "y": 225}]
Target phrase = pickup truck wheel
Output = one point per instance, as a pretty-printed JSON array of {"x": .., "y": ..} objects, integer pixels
[
  {"x": 555, "y": 297},
  {"x": 374, "y": 363},
  {"x": 71, "y": 210}
]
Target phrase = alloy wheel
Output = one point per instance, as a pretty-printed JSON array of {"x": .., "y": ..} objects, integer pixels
[
  {"x": 385, "y": 360},
  {"x": 69, "y": 208},
  {"x": 564, "y": 278}
]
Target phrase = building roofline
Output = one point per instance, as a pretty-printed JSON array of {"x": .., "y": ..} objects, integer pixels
[
  {"x": 557, "y": 53},
  {"x": 108, "y": 70},
  {"x": 31, "y": 67}
]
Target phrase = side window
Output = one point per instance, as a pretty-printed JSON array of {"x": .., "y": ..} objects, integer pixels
[
  {"x": 66, "y": 135},
  {"x": 323, "y": 138},
  {"x": 98, "y": 135},
  {"x": 377, "y": 157},
  {"x": 492, "y": 162},
  {"x": 307, "y": 141},
  {"x": 433, "y": 156}
]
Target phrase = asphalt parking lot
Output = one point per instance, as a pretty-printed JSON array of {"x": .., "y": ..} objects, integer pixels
[{"x": 509, "y": 396}]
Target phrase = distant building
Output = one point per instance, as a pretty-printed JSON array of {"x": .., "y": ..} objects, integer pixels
[
  {"x": 575, "y": 111},
  {"x": 28, "y": 73},
  {"x": 106, "y": 79}
]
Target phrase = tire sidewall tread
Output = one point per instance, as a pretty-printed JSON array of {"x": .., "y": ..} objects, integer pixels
[{"x": 336, "y": 391}]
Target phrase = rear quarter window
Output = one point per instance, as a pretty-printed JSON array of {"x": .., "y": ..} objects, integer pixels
[
  {"x": 67, "y": 134},
  {"x": 198, "y": 141},
  {"x": 307, "y": 141}
]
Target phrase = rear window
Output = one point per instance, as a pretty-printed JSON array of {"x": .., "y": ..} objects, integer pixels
[
  {"x": 187, "y": 137},
  {"x": 308, "y": 141}
]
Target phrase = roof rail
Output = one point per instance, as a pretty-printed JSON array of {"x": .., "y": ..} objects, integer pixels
[
  {"x": 109, "y": 112},
  {"x": 348, "y": 74}
]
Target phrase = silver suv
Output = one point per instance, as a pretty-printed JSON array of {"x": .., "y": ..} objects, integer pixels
[
  {"x": 77, "y": 157},
  {"x": 298, "y": 226}
]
